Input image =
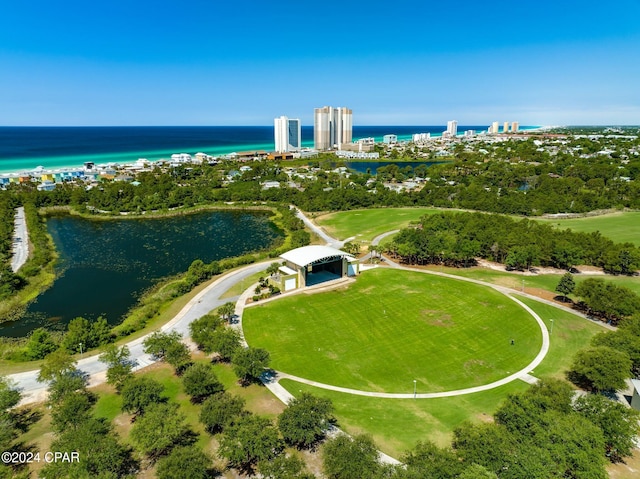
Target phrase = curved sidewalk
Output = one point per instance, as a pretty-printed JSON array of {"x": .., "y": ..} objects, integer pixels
[
  {"x": 205, "y": 301},
  {"x": 523, "y": 374}
]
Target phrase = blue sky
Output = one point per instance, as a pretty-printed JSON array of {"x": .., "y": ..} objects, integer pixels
[{"x": 204, "y": 62}]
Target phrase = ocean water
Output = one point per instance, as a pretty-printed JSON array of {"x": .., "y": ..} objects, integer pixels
[{"x": 25, "y": 148}]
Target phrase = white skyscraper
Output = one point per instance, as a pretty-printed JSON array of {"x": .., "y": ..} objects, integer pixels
[
  {"x": 332, "y": 127},
  {"x": 515, "y": 126},
  {"x": 452, "y": 128},
  {"x": 494, "y": 127},
  {"x": 287, "y": 134}
]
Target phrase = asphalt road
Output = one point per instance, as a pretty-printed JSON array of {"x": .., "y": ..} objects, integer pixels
[
  {"x": 203, "y": 303},
  {"x": 20, "y": 241}
]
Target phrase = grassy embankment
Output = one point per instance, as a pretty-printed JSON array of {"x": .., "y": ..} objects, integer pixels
[{"x": 38, "y": 271}]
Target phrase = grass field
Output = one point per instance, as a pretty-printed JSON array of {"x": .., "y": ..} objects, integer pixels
[
  {"x": 620, "y": 227},
  {"x": 367, "y": 224},
  {"x": 391, "y": 327},
  {"x": 546, "y": 282},
  {"x": 397, "y": 424}
]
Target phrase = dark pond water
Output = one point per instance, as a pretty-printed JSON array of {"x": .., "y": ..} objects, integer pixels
[
  {"x": 105, "y": 265},
  {"x": 362, "y": 166}
]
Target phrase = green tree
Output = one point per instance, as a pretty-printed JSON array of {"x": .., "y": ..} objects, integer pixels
[
  {"x": 566, "y": 285},
  {"x": 249, "y": 440},
  {"x": 203, "y": 328},
  {"x": 221, "y": 410},
  {"x": 161, "y": 429},
  {"x": 619, "y": 424},
  {"x": 119, "y": 365},
  {"x": 139, "y": 393},
  {"x": 71, "y": 412},
  {"x": 185, "y": 462},
  {"x": 475, "y": 471},
  {"x": 200, "y": 382},
  {"x": 9, "y": 394},
  {"x": 250, "y": 363},
  {"x": 227, "y": 310},
  {"x": 65, "y": 384},
  {"x": 9, "y": 397},
  {"x": 284, "y": 467},
  {"x": 305, "y": 420},
  {"x": 40, "y": 344},
  {"x": 626, "y": 338},
  {"x": 170, "y": 348},
  {"x": 100, "y": 455},
  {"x": 225, "y": 342},
  {"x": 273, "y": 269},
  {"x": 428, "y": 460},
  {"x": 344, "y": 457},
  {"x": 56, "y": 364},
  {"x": 601, "y": 368}
]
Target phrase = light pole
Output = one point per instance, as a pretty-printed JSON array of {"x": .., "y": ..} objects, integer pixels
[
  {"x": 414, "y": 389},
  {"x": 551, "y": 331},
  {"x": 80, "y": 350}
]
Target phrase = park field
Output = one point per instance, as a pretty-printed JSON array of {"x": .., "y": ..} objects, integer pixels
[
  {"x": 391, "y": 327},
  {"x": 367, "y": 224},
  {"x": 620, "y": 227},
  {"x": 397, "y": 424}
]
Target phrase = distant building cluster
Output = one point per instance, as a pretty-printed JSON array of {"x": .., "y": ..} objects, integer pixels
[
  {"x": 332, "y": 128},
  {"x": 506, "y": 127}
]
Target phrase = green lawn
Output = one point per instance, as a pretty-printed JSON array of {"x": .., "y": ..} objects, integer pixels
[
  {"x": 367, "y": 224},
  {"x": 547, "y": 282},
  {"x": 620, "y": 227},
  {"x": 397, "y": 424},
  {"x": 391, "y": 327}
]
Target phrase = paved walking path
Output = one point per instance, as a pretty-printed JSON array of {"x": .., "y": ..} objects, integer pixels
[
  {"x": 20, "y": 240},
  {"x": 208, "y": 299},
  {"x": 523, "y": 374}
]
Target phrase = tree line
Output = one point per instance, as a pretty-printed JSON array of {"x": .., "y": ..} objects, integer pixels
[{"x": 457, "y": 238}]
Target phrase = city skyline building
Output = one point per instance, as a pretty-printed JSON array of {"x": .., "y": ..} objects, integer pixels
[
  {"x": 287, "y": 134},
  {"x": 332, "y": 127},
  {"x": 452, "y": 128},
  {"x": 515, "y": 126}
]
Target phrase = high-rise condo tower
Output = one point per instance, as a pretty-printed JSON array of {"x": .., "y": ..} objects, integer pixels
[
  {"x": 287, "y": 134},
  {"x": 332, "y": 127},
  {"x": 452, "y": 128}
]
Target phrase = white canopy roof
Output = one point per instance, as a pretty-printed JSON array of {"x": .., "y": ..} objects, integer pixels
[{"x": 313, "y": 253}]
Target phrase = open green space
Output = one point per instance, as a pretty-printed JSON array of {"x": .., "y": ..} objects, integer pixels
[
  {"x": 546, "y": 282},
  {"x": 391, "y": 327},
  {"x": 620, "y": 226},
  {"x": 367, "y": 224},
  {"x": 397, "y": 424}
]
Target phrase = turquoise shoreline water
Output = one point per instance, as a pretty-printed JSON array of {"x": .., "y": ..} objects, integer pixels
[
  {"x": 16, "y": 165},
  {"x": 22, "y": 150}
]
